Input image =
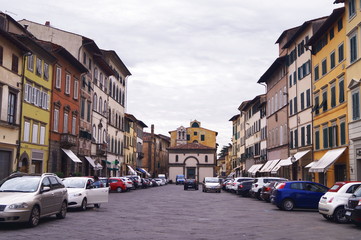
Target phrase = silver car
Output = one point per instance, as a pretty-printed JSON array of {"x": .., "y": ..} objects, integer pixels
[{"x": 29, "y": 197}]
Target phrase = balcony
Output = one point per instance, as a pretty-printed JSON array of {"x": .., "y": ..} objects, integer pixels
[
  {"x": 67, "y": 140},
  {"x": 101, "y": 149}
]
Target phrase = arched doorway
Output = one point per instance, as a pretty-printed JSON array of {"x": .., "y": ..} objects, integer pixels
[
  {"x": 24, "y": 163},
  {"x": 191, "y": 168}
]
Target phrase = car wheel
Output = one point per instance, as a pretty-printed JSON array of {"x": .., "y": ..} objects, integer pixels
[
  {"x": 287, "y": 204},
  {"x": 34, "y": 217},
  {"x": 119, "y": 189},
  {"x": 62, "y": 212},
  {"x": 83, "y": 204},
  {"x": 339, "y": 215}
]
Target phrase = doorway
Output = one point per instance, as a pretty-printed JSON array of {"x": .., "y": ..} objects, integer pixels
[
  {"x": 191, "y": 173},
  {"x": 5, "y": 160}
]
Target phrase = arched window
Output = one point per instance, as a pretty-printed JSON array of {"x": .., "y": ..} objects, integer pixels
[
  {"x": 112, "y": 148},
  {"x": 276, "y": 102},
  {"x": 95, "y": 102},
  {"x": 206, "y": 159},
  {"x": 116, "y": 146},
  {"x": 99, "y": 135},
  {"x": 281, "y": 99},
  {"x": 119, "y": 146},
  {"x": 120, "y": 95},
  {"x": 100, "y": 105},
  {"x": 116, "y": 94},
  {"x": 285, "y": 95},
  {"x": 176, "y": 158},
  {"x": 105, "y": 106},
  {"x": 101, "y": 81},
  {"x": 110, "y": 88},
  {"x": 106, "y": 85},
  {"x": 120, "y": 122},
  {"x": 116, "y": 119},
  {"x": 113, "y": 94},
  {"x": 95, "y": 75},
  {"x": 105, "y": 138},
  {"x": 281, "y": 135}
]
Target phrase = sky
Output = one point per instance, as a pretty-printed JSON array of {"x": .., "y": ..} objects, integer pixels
[{"x": 189, "y": 59}]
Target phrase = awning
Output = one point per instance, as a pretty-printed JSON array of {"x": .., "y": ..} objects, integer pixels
[
  {"x": 327, "y": 160},
  {"x": 288, "y": 162},
  {"x": 148, "y": 174},
  {"x": 310, "y": 164},
  {"x": 269, "y": 165},
  {"x": 140, "y": 170},
  {"x": 254, "y": 168},
  {"x": 131, "y": 170},
  {"x": 71, "y": 155},
  {"x": 91, "y": 161}
]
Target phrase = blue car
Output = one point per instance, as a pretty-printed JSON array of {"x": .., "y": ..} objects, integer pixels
[
  {"x": 298, "y": 194},
  {"x": 179, "y": 179}
]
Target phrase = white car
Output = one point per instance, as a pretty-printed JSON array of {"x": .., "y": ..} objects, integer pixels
[
  {"x": 128, "y": 182},
  {"x": 331, "y": 205},
  {"x": 159, "y": 181},
  {"x": 211, "y": 184},
  {"x": 82, "y": 192},
  {"x": 259, "y": 182},
  {"x": 237, "y": 181}
]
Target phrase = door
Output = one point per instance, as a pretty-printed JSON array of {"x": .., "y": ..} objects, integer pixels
[
  {"x": 48, "y": 201},
  {"x": 191, "y": 173},
  {"x": 5, "y": 160}
]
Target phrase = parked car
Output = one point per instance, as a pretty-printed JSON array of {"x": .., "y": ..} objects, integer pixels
[
  {"x": 136, "y": 181},
  {"x": 104, "y": 181},
  {"x": 179, "y": 179},
  {"x": 211, "y": 184},
  {"x": 332, "y": 204},
  {"x": 29, "y": 197},
  {"x": 244, "y": 187},
  {"x": 152, "y": 182},
  {"x": 82, "y": 193},
  {"x": 267, "y": 190},
  {"x": 353, "y": 207},
  {"x": 298, "y": 194},
  {"x": 259, "y": 182},
  {"x": 237, "y": 181},
  {"x": 229, "y": 185},
  {"x": 224, "y": 183},
  {"x": 159, "y": 181},
  {"x": 190, "y": 183},
  {"x": 128, "y": 183},
  {"x": 117, "y": 184}
]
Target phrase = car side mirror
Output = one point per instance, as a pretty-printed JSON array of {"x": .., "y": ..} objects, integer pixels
[{"x": 45, "y": 189}]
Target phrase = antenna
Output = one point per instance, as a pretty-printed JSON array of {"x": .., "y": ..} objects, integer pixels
[{"x": 6, "y": 11}]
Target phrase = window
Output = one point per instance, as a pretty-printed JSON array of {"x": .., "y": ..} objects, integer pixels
[
  {"x": 202, "y": 137},
  {"x": 343, "y": 133},
  {"x": 95, "y": 102},
  {"x": 325, "y": 136},
  {"x": 42, "y": 134},
  {"x": 65, "y": 127},
  {"x": 31, "y": 63},
  {"x": 76, "y": 89},
  {"x": 308, "y": 134},
  {"x": 339, "y": 25},
  {"x": 317, "y": 139},
  {"x": 303, "y": 137},
  {"x": 324, "y": 66},
  {"x": 316, "y": 70},
  {"x": 67, "y": 84},
  {"x": 90, "y": 64},
  {"x": 58, "y": 78},
  {"x": 290, "y": 80},
  {"x": 56, "y": 120},
  {"x": 295, "y": 109},
  {"x": 291, "y": 107},
  {"x": 39, "y": 66},
  {"x": 100, "y": 105},
  {"x": 302, "y": 101},
  {"x": 46, "y": 71},
  {"x": 26, "y": 131},
  {"x": 333, "y": 136},
  {"x": 294, "y": 78},
  {"x": 45, "y": 100},
  {"x": 324, "y": 101},
  {"x": 333, "y": 60},
  {"x": 353, "y": 48},
  {"x": 35, "y": 133},
  {"x": 84, "y": 58},
  {"x": 351, "y": 8},
  {"x": 340, "y": 53},
  {"x": 308, "y": 97},
  {"x": 95, "y": 75},
  {"x": 11, "y": 108},
  {"x": 73, "y": 125},
  {"x": 296, "y": 138},
  {"x": 88, "y": 111},
  {"x": 332, "y": 34},
  {"x": 356, "y": 105},
  {"x": 317, "y": 106},
  {"x": 15, "y": 63},
  {"x": 341, "y": 90},
  {"x": 291, "y": 139},
  {"x": 333, "y": 96}
]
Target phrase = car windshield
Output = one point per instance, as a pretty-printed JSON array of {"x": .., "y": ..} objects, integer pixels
[
  {"x": 74, "y": 182},
  {"x": 211, "y": 180},
  {"x": 20, "y": 184}
]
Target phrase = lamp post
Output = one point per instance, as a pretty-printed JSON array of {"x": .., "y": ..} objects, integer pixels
[{"x": 294, "y": 168}]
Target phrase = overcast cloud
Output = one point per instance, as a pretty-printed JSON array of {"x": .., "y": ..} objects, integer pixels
[{"x": 189, "y": 59}]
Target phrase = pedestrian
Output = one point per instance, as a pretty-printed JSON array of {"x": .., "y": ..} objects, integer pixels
[{"x": 97, "y": 183}]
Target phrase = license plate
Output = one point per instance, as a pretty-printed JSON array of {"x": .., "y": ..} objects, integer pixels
[{"x": 348, "y": 213}]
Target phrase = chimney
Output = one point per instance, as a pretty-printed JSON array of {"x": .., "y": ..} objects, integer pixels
[
  {"x": 47, "y": 23},
  {"x": 152, "y": 129}
]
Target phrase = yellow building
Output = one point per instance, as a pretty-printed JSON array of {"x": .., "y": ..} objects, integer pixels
[
  {"x": 353, "y": 86},
  {"x": 194, "y": 134},
  {"x": 35, "y": 115},
  {"x": 330, "y": 104}
]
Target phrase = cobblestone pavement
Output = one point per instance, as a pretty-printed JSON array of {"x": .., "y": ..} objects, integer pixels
[{"x": 169, "y": 212}]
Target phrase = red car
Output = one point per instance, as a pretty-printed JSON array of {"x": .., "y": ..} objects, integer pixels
[{"x": 117, "y": 184}]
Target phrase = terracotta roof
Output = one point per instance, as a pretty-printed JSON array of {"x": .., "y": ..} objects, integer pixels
[{"x": 192, "y": 146}]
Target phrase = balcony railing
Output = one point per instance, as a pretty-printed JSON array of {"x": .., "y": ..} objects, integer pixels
[{"x": 67, "y": 140}]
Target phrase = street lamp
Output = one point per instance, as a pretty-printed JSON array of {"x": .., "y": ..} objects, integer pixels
[{"x": 294, "y": 169}]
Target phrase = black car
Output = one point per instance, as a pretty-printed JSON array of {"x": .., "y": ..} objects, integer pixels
[
  {"x": 190, "y": 183},
  {"x": 244, "y": 187},
  {"x": 353, "y": 209}
]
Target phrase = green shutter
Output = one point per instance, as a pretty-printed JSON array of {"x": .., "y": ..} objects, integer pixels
[
  {"x": 317, "y": 140},
  {"x": 343, "y": 133}
]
